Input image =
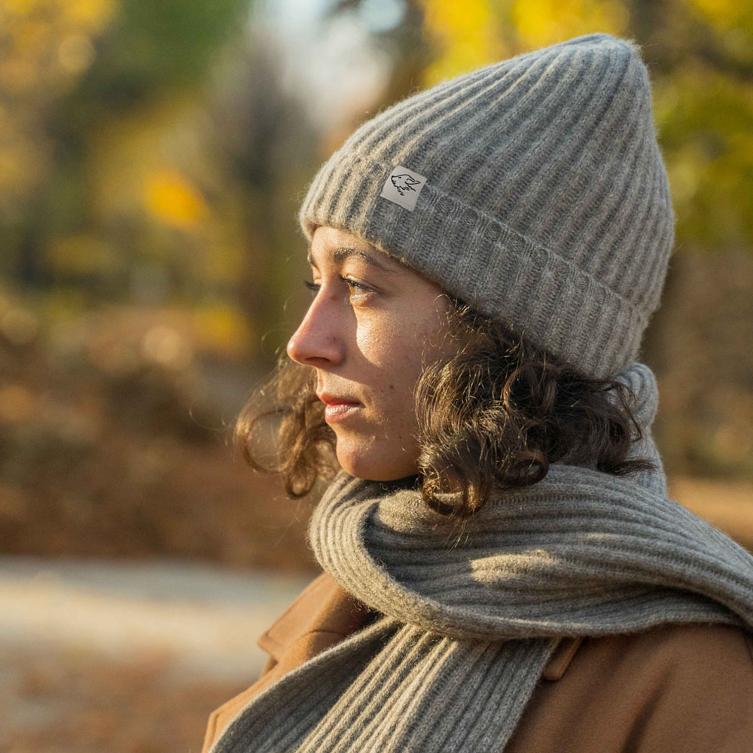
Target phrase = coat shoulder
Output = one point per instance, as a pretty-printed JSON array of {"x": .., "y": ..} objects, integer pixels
[
  {"x": 682, "y": 687},
  {"x": 686, "y": 651},
  {"x": 692, "y": 687}
]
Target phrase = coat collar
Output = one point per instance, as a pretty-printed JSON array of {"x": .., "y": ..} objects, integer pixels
[{"x": 324, "y": 607}]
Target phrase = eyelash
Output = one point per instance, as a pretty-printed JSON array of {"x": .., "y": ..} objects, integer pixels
[{"x": 314, "y": 287}]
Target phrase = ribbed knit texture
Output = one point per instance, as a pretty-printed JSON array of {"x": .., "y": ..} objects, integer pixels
[
  {"x": 542, "y": 199},
  {"x": 469, "y": 620}
]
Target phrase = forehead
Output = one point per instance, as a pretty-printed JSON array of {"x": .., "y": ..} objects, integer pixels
[
  {"x": 340, "y": 253},
  {"x": 335, "y": 246}
]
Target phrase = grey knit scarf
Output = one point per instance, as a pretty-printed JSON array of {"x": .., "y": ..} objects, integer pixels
[{"x": 469, "y": 621}]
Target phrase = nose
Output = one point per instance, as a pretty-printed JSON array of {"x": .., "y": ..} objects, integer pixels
[{"x": 317, "y": 341}]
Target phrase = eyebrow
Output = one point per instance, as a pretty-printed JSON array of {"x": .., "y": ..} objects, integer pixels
[{"x": 341, "y": 253}]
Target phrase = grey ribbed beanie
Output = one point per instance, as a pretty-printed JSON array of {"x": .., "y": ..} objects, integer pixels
[{"x": 533, "y": 189}]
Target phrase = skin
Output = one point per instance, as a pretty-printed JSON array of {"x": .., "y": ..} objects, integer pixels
[{"x": 370, "y": 344}]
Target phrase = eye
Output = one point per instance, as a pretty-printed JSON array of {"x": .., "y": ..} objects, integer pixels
[{"x": 352, "y": 284}]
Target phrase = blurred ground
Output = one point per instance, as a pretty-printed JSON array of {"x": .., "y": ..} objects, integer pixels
[{"x": 126, "y": 658}]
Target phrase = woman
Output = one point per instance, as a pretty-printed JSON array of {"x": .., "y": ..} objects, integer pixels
[{"x": 502, "y": 567}]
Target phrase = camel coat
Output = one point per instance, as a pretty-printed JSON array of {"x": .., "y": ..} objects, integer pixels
[{"x": 685, "y": 688}]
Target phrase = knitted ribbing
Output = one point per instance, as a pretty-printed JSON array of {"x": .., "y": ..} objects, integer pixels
[
  {"x": 533, "y": 189},
  {"x": 470, "y": 617}
]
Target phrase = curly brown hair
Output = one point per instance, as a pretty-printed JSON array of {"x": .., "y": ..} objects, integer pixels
[{"x": 493, "y": 416}]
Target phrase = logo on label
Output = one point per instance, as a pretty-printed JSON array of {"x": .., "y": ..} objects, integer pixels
[{"x": 403, "y": 187}]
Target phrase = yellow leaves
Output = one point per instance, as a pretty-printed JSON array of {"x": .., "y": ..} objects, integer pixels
[
  {"x": 479, "y": 32},
  {"x": 725, "y": 14},
  {"x": 172, "y": 199},
  {"x": 134, "y": 163},
  {"x": 705, "y": 119},
  {"x": 22, "y": 7},
  {"x": 539, "y": 23},
  {"x": 456, "y": 19},
  {"x": 46, "y": 45},
  {"x": 703, "y": 116},
  {"x": 88, "y": 13},
  {"x": 732, "y": 22},
  {"x": 465, "y": 33},
  {"x": 222, "y": 330},
  {"x": 31, "y": 30}
]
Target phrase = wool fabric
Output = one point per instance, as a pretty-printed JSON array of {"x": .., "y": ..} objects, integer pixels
[
  {"x": 532, "y": 189},
  {"x": 469, "y": 621}
]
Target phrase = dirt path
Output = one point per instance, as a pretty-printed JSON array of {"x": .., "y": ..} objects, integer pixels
[
  {"x": 206, "y": 617},
  {"x": 126, "y": 657}
]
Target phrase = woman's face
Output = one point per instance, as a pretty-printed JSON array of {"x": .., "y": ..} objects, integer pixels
[{"x": 371, "y": 326}]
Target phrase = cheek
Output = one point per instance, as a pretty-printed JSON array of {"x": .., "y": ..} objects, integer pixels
[
  {"x": 377, "y": 340},
  {"x": 385, "y": 332},
  {"x": 394, "y": 351}
]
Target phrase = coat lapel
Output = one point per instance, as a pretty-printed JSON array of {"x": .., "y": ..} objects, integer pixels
[
  {"x": 322, "y": 608},
  {"x": 319, "y": 617},
  {"x": 324, "y": 613}
]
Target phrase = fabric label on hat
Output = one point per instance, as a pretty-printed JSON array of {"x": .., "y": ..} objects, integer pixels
[{"x": 403, "y": 187}]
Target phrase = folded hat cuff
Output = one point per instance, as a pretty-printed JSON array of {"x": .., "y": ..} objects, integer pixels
[{"x": 482, "y": 261}]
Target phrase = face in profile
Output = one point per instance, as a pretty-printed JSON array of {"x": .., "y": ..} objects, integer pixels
[{"x": 371, "y": 326}]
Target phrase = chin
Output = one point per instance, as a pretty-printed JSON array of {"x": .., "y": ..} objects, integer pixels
[{"x": 371, "y": 465}]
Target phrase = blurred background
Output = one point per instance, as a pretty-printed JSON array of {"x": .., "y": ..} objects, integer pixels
[{"x": 152, "y": 159}]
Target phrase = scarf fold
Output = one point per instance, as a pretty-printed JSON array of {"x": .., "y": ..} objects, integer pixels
[{"x": 470, "y": 620}]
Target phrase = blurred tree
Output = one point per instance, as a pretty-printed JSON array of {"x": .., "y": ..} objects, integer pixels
[
  {"x": 263, "y": 147},
  {"x": 407, "y": 45},
  {"x": 73, "y": 69},
  {"x": 47, "y": 47}
]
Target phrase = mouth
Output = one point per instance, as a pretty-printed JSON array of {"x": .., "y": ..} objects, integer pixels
[
  {"x": 331, "y": 399},
  {"x": 338, "y": 408},
  {"x": 340, "y": 412}
]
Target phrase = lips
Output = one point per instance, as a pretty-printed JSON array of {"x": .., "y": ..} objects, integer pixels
[
  {"x": 330, "y": 399},
  {"x": 338, "y": 408}
]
